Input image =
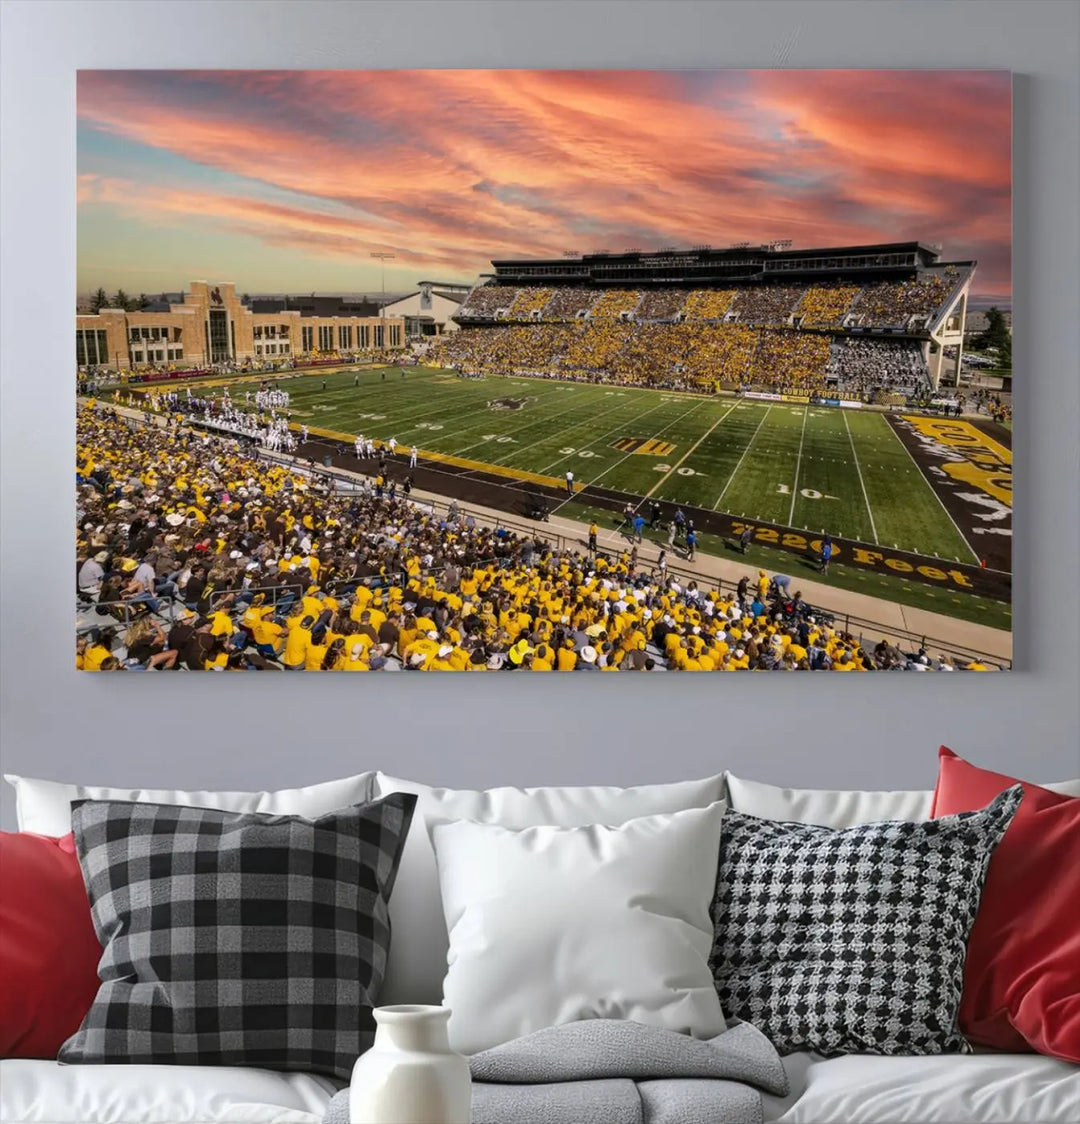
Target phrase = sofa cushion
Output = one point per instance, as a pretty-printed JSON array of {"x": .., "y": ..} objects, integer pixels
[
  {"x": 236, "y": 939},
  {"x": 1022, "y": 979},
  {"x": 851, "y": 941},
  {"x": 418, "y": 950},
  {"x": 838, "y": 807},
  {"x": 44, "y": 807},
  {"x": 48, "y": 950},
  {"x": 948, "y": 1089},
  {"x": 550, "y": 925},
  {"x": 43, "y": 1092},
  {"x": 835, "y": 808}
]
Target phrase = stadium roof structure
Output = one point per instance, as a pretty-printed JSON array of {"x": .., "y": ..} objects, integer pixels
[{"x": 734, "y": 264}]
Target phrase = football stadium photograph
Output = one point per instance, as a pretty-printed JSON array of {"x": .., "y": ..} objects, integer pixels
[{"x": 510, "y": 370}]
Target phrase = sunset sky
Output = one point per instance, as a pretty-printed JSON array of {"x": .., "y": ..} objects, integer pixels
[{"x": 290, "y": 180}]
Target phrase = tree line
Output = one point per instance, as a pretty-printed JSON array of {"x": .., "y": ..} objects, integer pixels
[
  {"x": 101, "y": 300},
  {"x": 121, "y": 300},
  {"x": 997, "y": 339}
]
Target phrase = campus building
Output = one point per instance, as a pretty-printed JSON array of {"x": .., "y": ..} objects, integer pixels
[
  {"x": 211, "y": 325},
  {"x": 430, "y": 310}
]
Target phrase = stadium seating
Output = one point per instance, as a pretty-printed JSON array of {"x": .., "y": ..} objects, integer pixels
[
  {"x": 528, "y": 303},
  {"x": 894, "y": 304},
  {"x": 661, "y": 304},
  {"x": 255, "y": 569},
  {"x": 484, "y": 302},
  {"x": 708, "y": 304},
  {"x": 789, "y": 362},
  {"x": 719, "y": 353},
  {"x": 669, "y": 337},
  {"x": 649, "y": 354},
  {"x": 824, "y": 307},
  {"x": 860, "y": 366},
  {"x": 767, "y": 304},
  {"x": 567, "y": 304},
  {"x": 593, "y": 346},
  {"x": 614, "y": 303}
]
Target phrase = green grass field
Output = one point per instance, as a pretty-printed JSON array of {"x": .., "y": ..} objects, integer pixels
[{"x": 843, "y": 472}]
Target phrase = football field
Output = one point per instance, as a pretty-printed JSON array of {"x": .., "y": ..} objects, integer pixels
[{"x": 826, "y": 470}]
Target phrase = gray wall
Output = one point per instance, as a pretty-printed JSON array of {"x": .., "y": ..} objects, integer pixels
[{"x": 830, "y": 731}]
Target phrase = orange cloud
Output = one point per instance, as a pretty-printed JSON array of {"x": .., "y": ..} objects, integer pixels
[{"x": 457, "y": 167}]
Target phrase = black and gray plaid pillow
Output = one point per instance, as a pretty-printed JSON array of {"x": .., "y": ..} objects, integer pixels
[
  {"x": 851, "y": 941},
  {"x": 237, "y": 939}
]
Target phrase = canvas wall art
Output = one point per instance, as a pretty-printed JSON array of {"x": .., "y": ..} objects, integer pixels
[{"x": 517, "y": 371}]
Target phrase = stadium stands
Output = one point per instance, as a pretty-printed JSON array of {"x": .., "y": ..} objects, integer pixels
[
  {"x": 704, "y": 354},
  {"x": 567, "y": 304},
  {"x": 593, "y": 346},
  {"x": 790, "y": 362},
  {"x": 614, "y": 303},
  {"x": 529, "y": 303},
  {"x": 767, "y": 304},
  {"x": 484, "y": 302},
  {"x": 661, "y": 304},
  {"x": 192, "y": 554},
  {"x": 894, "y": 304},
  {"x": 708, "y": 304},
  {"x": 822, "y": 307},
  {"x": 861, "y": 365},
  {"x": 719, "y": 353},
  {"x": 781, "y": 338},
  {"x": 650, "y": 354},
  {"x": 888, "y": 304}
]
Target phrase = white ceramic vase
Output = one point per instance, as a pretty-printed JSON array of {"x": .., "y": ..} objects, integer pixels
[{"x": 410, "y": 1075}]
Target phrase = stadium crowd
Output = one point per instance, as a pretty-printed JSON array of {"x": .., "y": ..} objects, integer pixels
[
  {"x": 193, "y": 553},
  {"x": 860, "y": 365},
  {"x": 614, "y": 303},
  {"x": 892, "y": 304},
  {"x": 661, "y": 304},
  {"x": 700, "y": 354},
  {"x": 789, "y": 362},
  {"x": 708, "y": 304},
  {"x": 824, "y": 307},
  {"x": 765, "y": 304},
  {"x": 885, "y": 304}
]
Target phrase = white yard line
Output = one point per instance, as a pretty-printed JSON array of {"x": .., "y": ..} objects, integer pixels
[
  {"x": 663, "y": 479},
  {"x": 586, "y": 484},
  {"x": 738, "y": 464},
  {"x": 515, "y": 449},
  {"x": 623, "y": 425},
  {"x": 932, "y": 490},
  {"x": 656, "y": 436},
  {"x": 798, "y": 465},
  {"x": 866, "y": 498}
]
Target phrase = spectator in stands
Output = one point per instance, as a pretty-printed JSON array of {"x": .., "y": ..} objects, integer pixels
[{"x": 356, "y": 582}]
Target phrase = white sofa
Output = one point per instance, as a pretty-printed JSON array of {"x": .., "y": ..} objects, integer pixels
[{"x": 980, "y": 1088}]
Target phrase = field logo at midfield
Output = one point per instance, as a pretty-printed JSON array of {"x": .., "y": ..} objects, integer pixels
[
  {"x": 645, "y": 446},
  {"x": 509, "y": 403}
]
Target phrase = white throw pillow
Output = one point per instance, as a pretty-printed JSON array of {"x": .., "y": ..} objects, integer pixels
[
  {"x": 836, "y": 808},
  {"x": 839, "y": 808},
  {"x": 551, "y": 925},
  {"x": 418, "y": 944},
  {"x": 44, "y": 807}
]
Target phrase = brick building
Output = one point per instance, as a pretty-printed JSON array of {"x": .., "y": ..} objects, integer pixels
[{"x": 211, "y": 325}]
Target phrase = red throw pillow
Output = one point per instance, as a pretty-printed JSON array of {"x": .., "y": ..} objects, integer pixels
[
  {"x": 48, "y": 951},
  {"x": 1022, "y": 976}
]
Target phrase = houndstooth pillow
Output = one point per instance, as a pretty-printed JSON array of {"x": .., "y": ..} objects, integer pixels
[
  {"x": 237, "y": 939},
  {"x": 851, "y": 941}
]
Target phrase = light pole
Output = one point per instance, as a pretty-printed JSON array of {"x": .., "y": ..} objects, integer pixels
[{"x": 383, "y": 256}]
